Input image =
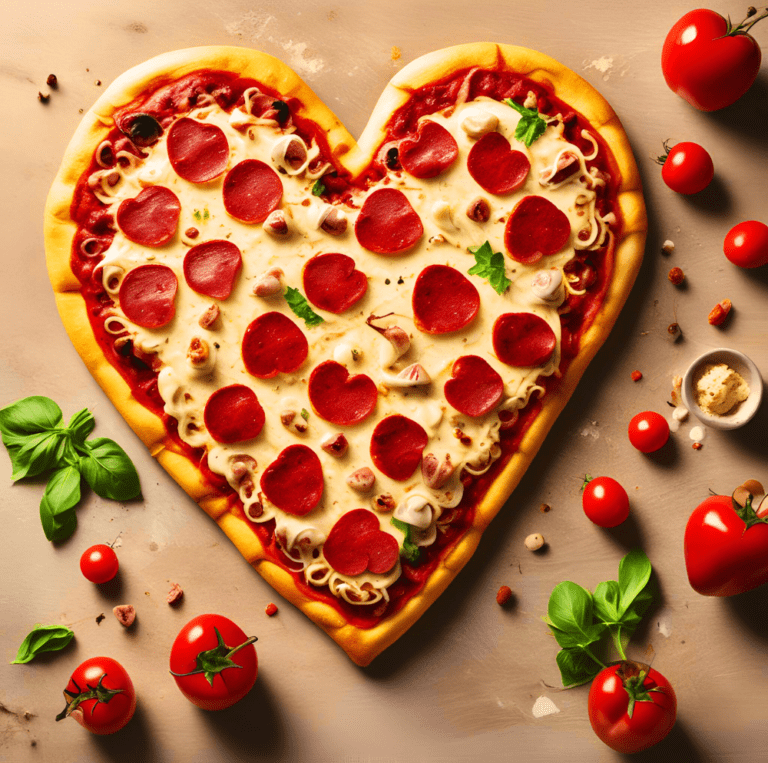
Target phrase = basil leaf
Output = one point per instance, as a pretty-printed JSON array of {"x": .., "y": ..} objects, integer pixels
[
  {"x": 36, "y": 453},
  {"x": 580, "y": 638},
  {"x": 570, "y": 607},
  {"x": 57, "y": 527},
  {"x": 409, "y": 550},
  {"x": 576, "y": 667},
  {"x": 632, "y": 617},
  {"x": 606, "y": 599},
  {"x": 63, "y": 490},
  {"x": 298, "y": 303},
  {"x": 531, "y": 126},
  {"x": 81, "y": 425},
  {"x": 43, "y": 638},
  {"x": 490, "y": 265},
  {"x": 108, "y": 470},
  {"x": 634, "y": 574},
  {"x": 318, "y": 188},
  {"x": 30, "y": 416}
]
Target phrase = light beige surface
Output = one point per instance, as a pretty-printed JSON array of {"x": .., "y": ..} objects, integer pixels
[{"x": 461, "y": 684}]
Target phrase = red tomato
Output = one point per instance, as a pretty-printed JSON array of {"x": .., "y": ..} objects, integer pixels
[
  {"x": 631, "y": 706},
  {"x": 687, "y": 168},
  {"x": 605, "y": 501},
  {"x": 648, "y": 431},
  {"x": 214, "y": 662},
  {"x": 746, "y": 244},
  {"x": 708, "y": 61},
  {"x": 100, "y": 696},
  {"x": 99, "y": 563}
]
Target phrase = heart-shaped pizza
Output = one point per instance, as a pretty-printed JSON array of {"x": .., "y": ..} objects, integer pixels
[{"x": 346, "y": 352}]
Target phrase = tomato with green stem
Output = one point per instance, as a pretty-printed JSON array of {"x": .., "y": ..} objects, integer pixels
[
  {"x": 99, "y": 563},
  {"x": 214, "y": 662},
  {"x": 605, "y": 501},
  {"x": 686, "y": 168}
]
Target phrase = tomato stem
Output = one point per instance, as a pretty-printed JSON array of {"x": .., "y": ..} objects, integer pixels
[
  {"x": 211, "y": 662},
  {"x": 743, "y": 27},
  {"x": 76, "y": 698}
]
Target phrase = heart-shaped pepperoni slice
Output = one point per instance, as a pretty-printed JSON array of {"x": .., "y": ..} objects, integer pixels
[
  {"x": 356, "y": 544},
  {"x": 387, "y": 223},
  {"x": 332, "y": 283},
  {"x": 151, "y": 218},
  {"x": 443, "y": 300},
  {"x": 211, "y": 268},
  {"x": 496, "y": 166},
  {"x": 252, "y": 190},
  {"x": 432, "y": 151},
  {"x": 475, "y": 387},
  {"x": 147, "y": 295},
  {"x": 233, "y": 414},
  {"x": 535, "y": 228},
  {"x": 396, "y": 446},
  {"x": 273, "y": 344},
  {"x": 523, "y": 339},
  {"x": 198, "y": 152},
  {"x": 340, "y": 398},
  {"x": 294, "y": 480}
]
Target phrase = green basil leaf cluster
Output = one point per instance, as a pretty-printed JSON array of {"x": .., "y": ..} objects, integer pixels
[
  {"x": 43, "y": 638},
  {"x": 580, "y": 620},
  {"x": 298, "y": 303},
  {"x": 409, "y": 550},
  {"x": 490, "y": 265},
  {"x": 531, "y": 125},
  {"x": 37, "y": 441}
]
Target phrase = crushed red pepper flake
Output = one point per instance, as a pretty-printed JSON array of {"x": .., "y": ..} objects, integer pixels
[
  {"x": 696, "y": 446},
  {"x": 636, "y": 376},
  {"x": 43, "y": 97},
  {"x": 676, "y": 276},
  {"x": 504, "y": 595},
  {"x": 719, "y": 312},
  {"x": 544, "y": 508},
  {"x": 52, "y": 80},
  {"x": 271, "y": 610}
]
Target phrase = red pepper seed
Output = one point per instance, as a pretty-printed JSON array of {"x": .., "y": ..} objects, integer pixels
[
  {"x": 271, "y": 610},
  {"x": 636, "y": 376},
  {"x": 504, "y": 595}
]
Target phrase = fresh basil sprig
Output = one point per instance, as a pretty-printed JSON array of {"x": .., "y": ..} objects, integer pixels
[
  {"x": 37, "y": 441},
  {"x": 298, "y": 303},
  {"x": 490, "y": 265},
  {"x": 409, "y": 550},
  {"x": 580, "y": 620},
  {"x": 43, "y": 638},
  {"x": 531, "y": 126}
]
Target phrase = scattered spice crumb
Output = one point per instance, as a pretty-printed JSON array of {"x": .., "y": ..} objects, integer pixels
[
  {"x": 52, "y": 80},
  {"x": 719, "y": 312},
  {"x": 636, "y": 376},
  {"x": 175, "y": 595},
  {"x": 80, "y": 111},
  {"x": 125, "y": 614},
  {"x": 674, "y": 332},
  {"x": 99, "y": 618},
  {"x": 395, "y": 53},
  {"x": 534, "y": 542},
  {"x": 668, "y": 247},
  {"x": 271, "y": 609},
  {"x": 504, "y": 595},
  {"x": 400, "y": 280},
  {"x": 97, "y": 83},
  {"x": 43, "y": 97},
  {"x": 676, "y": 276},
  {"x": 697, "y": 446},
  {"x": 544, "y": 508}
]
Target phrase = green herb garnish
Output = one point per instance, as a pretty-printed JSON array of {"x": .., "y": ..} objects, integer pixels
[
  {"x": 490, "y": 265},
  {"x": 318, "y": 189},
  {"x": 298, "y": 303},
  {"x": 531, "y": 126},
  {"x": 43, "y": 638},
  {"x": 409, "y": 550}
]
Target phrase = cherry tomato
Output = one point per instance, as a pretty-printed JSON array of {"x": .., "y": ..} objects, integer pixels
[
  {"x": 709, "y": 61},
  {"x": 631, "y": 706},
  {"x": 214, "y": 662},
  {"x": 687, "y": 168},
  {"x": 648, "y": 431},
  {"x": 605, "y": 501},
  {"x": 746, "y": 244},
  {"x": 99, "y": 563},
  {"x": 100, "y": 696}
]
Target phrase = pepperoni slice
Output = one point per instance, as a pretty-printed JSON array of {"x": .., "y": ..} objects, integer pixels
[
  {"x": 387, "y": 223},
  {"x": 523, "y": 339},
  {"x": 198, "y": 152},
  {"x": 339, "y": 398},
  {"x": 332, "y": 283},
  {"x": 211, "y": 268},
  {"x": 444, "y": 300},
  {"x": 356, "y": 544},
  {"x": 273, "y": 344},
  {"x": 475, "y": 387},
  {"x": 147, "y": 295},
  {"x": 252, "y": 190},
  {"x": 432, "y": 151},
  {"x": 535, "y": 228},
  {"x": 151, "y": 218},
  {"x": 396, "y": 446},
  {"x": 294, "y": 480},
  {"x": 496, "y": 166},
  {"x": 233, "y": 414}
]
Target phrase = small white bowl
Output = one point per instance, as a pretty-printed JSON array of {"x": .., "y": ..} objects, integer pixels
[{"x": 744, "y": 367}]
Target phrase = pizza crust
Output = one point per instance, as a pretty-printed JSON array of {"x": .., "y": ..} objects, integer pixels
[{"x": 362, "y": 645}]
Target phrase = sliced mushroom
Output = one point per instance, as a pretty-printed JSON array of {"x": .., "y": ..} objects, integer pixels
[
  {"x": 331, "y": 220},
  {"x": 413, "y": 376},
  {"x": 276, "y": 224},
  {"x": 290, "y": 154},
  {"x": 268, "y": 284},
  {"x": 478, "y": 122}
]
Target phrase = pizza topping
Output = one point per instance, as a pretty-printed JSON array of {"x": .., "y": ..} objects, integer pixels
[
  {"x": 209, "y": 317},
  {"x": 474, "y": 387},
  {"x": 383, "y": 503},
  {"x": 332, "y": 283},
  {"x": 269, "y": 283},
  {"x": 290, "y": 419},
  {"x": 411, "y": 376},
  {"x": 396, "y": 446},
  {"x": 197, "y": 151},
  {"x": 535, "y": 228},
  {"x": 290, "y": 154},
  {"x": 431, "y": 151},
  {"x": 147, "y": 295},
  {"x": 151, "y": 218},
  {"x": 478, "y": 122},
  {"x": 415, "y": 510},
  {"x": 479, "y": 210},
  {"x": 399, "y": 341},
  {"x": 565, "y": 167},
  {"x": 444, "y": 300},
  {"x": 340, "y": 398},
  {"x": 252, "y": 190},
  {"x": 335, "y": 444},
  {"x": 332, "y": 220},
  {"x": 199, "y": 354},
  {"x": 273, "y": 344},
  {"x": 211, "y": 268},
  {"x": 233, "y": 414},
  {"x": 436, "y": 473},
  {"x": 356, "y": 544},
  {"x": 276, "y": 224},
  {"x": 441, "y": 214},
  {"x": 523, "y": 339},
  {"x": 495, "y": 166},
  {"x": 547, "y": 285},
  {"x": 361, "y": 480},
  {"x": 387, "y": 223},
  {"x": 294, "y": 480},
  {"x": 142, "y": 129},
  {"x": 125, "y": 614}
]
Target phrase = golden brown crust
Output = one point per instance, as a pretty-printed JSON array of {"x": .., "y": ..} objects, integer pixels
[{"x": 361, "y": 644}]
